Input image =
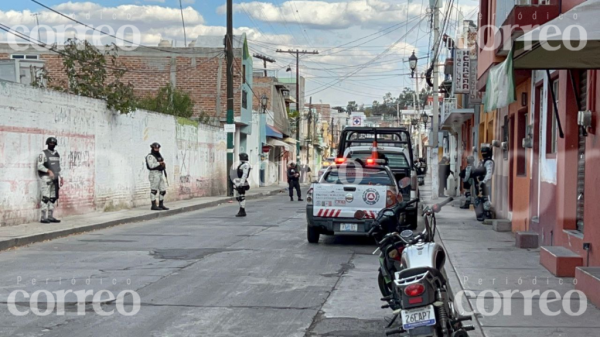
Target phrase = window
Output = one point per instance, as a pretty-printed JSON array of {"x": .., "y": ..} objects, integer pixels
[
  {"x": 552, "y": 132},
  {"x": 394, "y": 159},
  {"x": 243, "y": 73},
  {"x": 521, "y": 133},
  {"x": 24, "y": 57},
  {"x": 362, "y": 176},
  {"x": 244, "y": 99}
]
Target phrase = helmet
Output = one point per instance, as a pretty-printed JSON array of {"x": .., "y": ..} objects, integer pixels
[
  {"x": 51, "y": 140},
  {"x": 486, "y": 151},
  {"x": 243, "y": 156},
  {"x": 155, "y": 144}
]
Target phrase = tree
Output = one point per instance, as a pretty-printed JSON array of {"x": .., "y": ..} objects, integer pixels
[
  {"x": 92, "y": 73},
  {"x": 352, "y": 107},
  {"x": 170, "y": 101}
]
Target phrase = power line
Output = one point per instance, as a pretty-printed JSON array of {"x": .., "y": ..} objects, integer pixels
[
  {"x": 365, "y": 64},
  {"x": 54, "y": 50},
  {"x": 183, "y": 23},
  {"x": 107, "y": 34}
]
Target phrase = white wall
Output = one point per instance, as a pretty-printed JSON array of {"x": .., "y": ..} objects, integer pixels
[{"x": 102, "y": 154}]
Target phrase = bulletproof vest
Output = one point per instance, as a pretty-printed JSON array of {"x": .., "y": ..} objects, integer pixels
[
  {"x": 240, "y": 170},
  {"x": 481, "y": 170},
  {"x": 52, "y": 163},
  {"x": 158, "y": 158}
]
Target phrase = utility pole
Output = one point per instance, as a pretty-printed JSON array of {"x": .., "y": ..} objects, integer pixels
[
  {"x": 332, "y": 141},
  {"x": 265, "y": 60},
  {"x": 436, "y": 4},
  {"x": 36, "y": 18},
  {"x": 229, "y": 52},
  {"x": 298, "y": 53},
  {"x": 308, "y": 129},
  {"x": 398, "y": 112}
]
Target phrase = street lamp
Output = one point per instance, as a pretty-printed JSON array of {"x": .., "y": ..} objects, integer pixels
[
  {"x": 263, "y": 102},
  {"x": 412, "y": 61}
]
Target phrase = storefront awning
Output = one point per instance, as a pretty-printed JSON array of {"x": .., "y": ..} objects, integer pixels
[
  {"x": 275, "y": 142},
  {"x": 273, "y": 132},
  {"x": 571, "y": 41}
]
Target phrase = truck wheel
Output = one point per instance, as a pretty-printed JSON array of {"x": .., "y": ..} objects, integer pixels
[{"x": 312, "y": 234}]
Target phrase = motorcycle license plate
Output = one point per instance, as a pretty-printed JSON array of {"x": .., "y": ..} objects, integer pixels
[
  {"x": 415, "y": 318},
  {"x": 348, "y": 227}
]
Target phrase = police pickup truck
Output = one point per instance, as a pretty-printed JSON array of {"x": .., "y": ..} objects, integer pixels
[
  {"x": 343, "y": 189},
  {"x": 395, "y": 147}
]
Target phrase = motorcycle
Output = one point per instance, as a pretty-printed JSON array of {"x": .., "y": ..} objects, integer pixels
[
  {"x": 390, "y": 247},
  {"x": 420, "y": 296}
]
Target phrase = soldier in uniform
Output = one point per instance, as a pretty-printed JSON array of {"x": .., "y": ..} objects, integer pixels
[
  {"x": 48, "y": 167},
  {"x": 484, "y": 174},
  {"x": 240, "y": 184},
  {"x": 468, "y": 181},
  {"x": 156, "y": 165}
]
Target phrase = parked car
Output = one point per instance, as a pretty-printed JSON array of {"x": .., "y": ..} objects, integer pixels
[{"x": 343, "y": 190}]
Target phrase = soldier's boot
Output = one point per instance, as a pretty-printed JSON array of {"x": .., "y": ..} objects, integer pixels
[
  {"x": 241, "y": 213},
  {"x": 291, "y": 198},
  {"x": 51, "y": 217},
  {"x": 154, "y": 207},
  {"x": 161, "y": 205},
  {"x": 44, "y": 219}
]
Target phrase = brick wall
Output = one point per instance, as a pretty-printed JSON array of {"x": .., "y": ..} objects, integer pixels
[
  {"x": 102, "y": 154},
  {"x": 196, "y": 75}
]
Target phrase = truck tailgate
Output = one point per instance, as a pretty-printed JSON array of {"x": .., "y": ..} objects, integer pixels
[{"x": 342, "y": 201}]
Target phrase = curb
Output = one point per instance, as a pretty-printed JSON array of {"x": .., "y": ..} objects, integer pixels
[{"x": 27, "y": 240}]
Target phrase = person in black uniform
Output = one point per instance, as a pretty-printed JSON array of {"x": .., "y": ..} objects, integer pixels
[
  {"x": 48, "y": 166},
  {"x": 293, "y": 176}
]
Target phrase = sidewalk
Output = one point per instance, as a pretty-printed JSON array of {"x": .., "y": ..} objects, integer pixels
[
  {"x": 484, "y": 265},
  {"x": 15, "y": 236}
]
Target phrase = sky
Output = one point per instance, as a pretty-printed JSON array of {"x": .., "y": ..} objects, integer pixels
[{"x": 363, "y": 45}]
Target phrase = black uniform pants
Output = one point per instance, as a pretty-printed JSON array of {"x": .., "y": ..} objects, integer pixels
[{"x": 294, "y": 184}]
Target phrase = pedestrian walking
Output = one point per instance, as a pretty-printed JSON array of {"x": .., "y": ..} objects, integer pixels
[
  {"x": 49, "y": 172},
  {"x": 241, "y": 184},
  {"x": 157, "y": 174},
  {"x": 293, "y": 176}
]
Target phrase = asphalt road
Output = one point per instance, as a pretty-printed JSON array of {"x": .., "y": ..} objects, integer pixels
[{"x": 204, "y": 273}]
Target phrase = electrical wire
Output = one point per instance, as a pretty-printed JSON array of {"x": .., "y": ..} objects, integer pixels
[
  {"x": 320, "y": 89},
  {"x": 110, "y": 35}
]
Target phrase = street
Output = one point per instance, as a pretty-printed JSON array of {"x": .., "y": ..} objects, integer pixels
[{"x": 203, "y": 273}]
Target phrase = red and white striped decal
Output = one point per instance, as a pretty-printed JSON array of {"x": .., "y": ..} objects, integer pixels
[
  {"x": 329, "y": 213},
  {"x": 370, "y": 215}
]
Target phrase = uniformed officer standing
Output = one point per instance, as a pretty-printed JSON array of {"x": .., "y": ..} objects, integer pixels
[
  {"x": 293, "y": 175},
  {"x": 48, "y": 166},
  {"x": 484, "y": 174},
  {"x": 241, "y": 184},
  {"x": 156, "y": 165}
]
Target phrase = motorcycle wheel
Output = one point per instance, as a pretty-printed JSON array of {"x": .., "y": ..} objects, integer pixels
[{"x": 383, "y": 288}]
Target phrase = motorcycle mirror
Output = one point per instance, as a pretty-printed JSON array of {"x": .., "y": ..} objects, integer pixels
[
  {"x": 404, "y": 182},
  {"x": 359, "y": 215}
]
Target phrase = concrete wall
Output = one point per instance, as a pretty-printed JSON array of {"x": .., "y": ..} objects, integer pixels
[{"x": 102, "y": 154}]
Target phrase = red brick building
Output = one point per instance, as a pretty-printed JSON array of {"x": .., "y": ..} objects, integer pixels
[{"x": 199, "y": 70}]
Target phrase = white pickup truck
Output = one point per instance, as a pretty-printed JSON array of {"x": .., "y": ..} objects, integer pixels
[{"x": 343, "y": 190}]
